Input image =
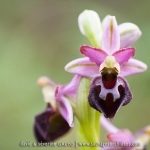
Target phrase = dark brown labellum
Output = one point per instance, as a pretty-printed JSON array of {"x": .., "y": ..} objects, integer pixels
[
  {"x": 109, "y": 100},
  {"x": 49, "y": 125}
]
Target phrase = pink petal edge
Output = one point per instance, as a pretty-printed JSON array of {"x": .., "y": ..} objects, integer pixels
[
  {"x": 124, "y": 55},
  {"x": 95, "y": 54}
]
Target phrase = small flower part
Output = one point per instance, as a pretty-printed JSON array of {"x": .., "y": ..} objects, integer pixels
[
  {"x": 48, "y": 91},
  {"x": 86, "y": 68},
  {"x": 110, "y": 62},
  {"x": 111, "y": 37},
  {"x": 115, "y": 135},
  {"x": 69, "y": 89},
  {"x": 57, "y": 119},
  {"x": 132, "y": 67},
  {"x": 142, "y": 137},
  {"x": 83, "y": 67},
  {"x": 49, "y": 125},
  {"x": 109, "y": 100},
  {"x": 65, "y": 94},
  {"x": 108, "y": 126},
  {"x": 90, "y": 26},
  {"x": 121, "y": 136},
  {"x": 129, "y": 33}
]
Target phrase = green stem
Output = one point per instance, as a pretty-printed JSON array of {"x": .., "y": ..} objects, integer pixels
[{"x": 88, "y": 118}]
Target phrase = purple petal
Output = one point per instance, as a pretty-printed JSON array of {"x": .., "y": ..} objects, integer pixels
[
  {"x": 133, "y": 66},
  {"x": 124, "y": 55},
  {"x": 49, "y": 125},
  {"x": 95, "y": 54},
  {"x": 129, "y": 33},
  {"x": 83, "y": 67},
  {"x": 66, "y": 110},
  {"x": 70, "y": 89},
  {"x": 111, "y": 36},
  {"x": 64, "y": 105}
]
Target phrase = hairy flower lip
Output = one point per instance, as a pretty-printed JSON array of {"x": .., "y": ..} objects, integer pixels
[
  {"x": 49, "y": 125},
  {"x": 108, "y": 101}
]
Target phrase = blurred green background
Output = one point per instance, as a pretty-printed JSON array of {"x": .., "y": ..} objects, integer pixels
[{"x": 38, "y": 37}]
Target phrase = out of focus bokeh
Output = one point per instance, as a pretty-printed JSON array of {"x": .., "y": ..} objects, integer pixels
[{"x": 39, "y": 37}]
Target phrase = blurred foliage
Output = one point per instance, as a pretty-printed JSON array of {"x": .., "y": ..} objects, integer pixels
[{"x": 38, "y": 37}]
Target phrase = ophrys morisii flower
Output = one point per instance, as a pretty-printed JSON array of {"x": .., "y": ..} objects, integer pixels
[
  {"x": 108, "y": 63},
  {"x": 57, "y": 118}
]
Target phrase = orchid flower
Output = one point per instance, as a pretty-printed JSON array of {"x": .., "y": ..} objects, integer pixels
[
  {"x": 124, "y": 138},
  {"x": 108, "y": 63},
  {"x": 57, "y": 119},
  {"x": 98, "y": 83}
]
